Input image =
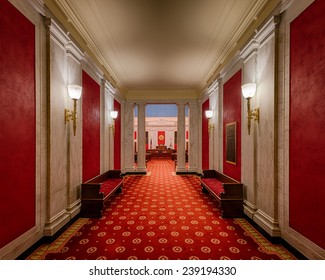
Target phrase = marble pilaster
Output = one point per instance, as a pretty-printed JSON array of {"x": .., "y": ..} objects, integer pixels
[
  {"x": 74, "y": 58},
  {"x": 180, "y": 168},
  {"x": 127, "y": 142},
  {"x": 248, "y": 157},
  {"x": 193, "y": 147},
  {"x": 141, "y": 157}
]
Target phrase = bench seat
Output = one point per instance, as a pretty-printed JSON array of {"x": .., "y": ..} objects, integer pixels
[
  {"x": 108, "y": 186},
  {"x": 96, "y": 191},
  {"x": 227, "y": 191},
  {"x": 214, "y": 185}
]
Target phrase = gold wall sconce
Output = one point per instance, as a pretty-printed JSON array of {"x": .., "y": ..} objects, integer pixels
[
  {"x": 209, "y": 114},
  {"x": 113, "y": 115},
  {"x": 249, "y": 91},
  {"x": 75, "y": 92}
]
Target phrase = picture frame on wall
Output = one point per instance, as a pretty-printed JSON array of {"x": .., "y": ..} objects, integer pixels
[{"x": 231, "y": 155}]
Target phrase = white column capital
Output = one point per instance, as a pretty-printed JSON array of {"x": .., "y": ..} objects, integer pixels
[
  {"x": 140, "y": 103},
  {"x": 181, "y": 103}
]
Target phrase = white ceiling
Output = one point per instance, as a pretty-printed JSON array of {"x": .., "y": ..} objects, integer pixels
[{"x": 161, "y": 44}]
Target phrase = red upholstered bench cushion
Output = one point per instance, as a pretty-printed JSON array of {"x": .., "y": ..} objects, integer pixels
[
  {"x": 214, "y": 185},
  {"x": 109, "y": 185}
]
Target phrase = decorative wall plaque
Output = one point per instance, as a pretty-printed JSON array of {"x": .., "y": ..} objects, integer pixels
[{"x": 231, "y": 143}]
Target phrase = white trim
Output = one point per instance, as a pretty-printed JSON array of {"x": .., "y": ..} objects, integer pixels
[
  {"x": 16, "y": 247},
  {"x": 74, "y": 52},
  {"x": 57, "y": 34},
  {"x": 110, "y": 89},
  {"x": 92, "y": 69}
]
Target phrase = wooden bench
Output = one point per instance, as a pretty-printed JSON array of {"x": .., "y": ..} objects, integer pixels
[
  {"x": 227, "y": 191},
  {"x": 97, "y": 190}
]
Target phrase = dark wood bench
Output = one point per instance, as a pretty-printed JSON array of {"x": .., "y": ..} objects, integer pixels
[
  {"x": 97, "y": 190},
  {"x": 227, "y": 191}
]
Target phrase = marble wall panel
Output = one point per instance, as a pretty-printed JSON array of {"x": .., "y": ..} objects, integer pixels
[
  {"x": 193, "y": 149},
  {"x": 74, "y": 144},
  {"x": 127, "y": 142},
  {"x": 248, "y": 142},
  {"x": 58, "y": 131},
  {"x": 265, "y": 100}
]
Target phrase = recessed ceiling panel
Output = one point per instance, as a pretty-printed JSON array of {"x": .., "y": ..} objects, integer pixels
[{"x": 155, "y": 44}]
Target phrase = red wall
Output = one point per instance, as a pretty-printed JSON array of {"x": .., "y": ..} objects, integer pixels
[
  {"x": 307, "y": 124},
  {"x": 17, "y": 119},
  {"x": 232, "y": 113},
  {"x": 117, "y": 137},
  {"x": 90, "y": 128},
  {"x": 205, "y": 137}
]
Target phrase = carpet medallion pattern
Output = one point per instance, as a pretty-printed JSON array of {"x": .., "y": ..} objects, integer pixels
[{"x": 161, "y": 217}]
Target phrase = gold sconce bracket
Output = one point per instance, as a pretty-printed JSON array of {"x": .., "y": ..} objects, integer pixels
[
  {"x": 210, "y": 126},
  {"x": 112, "y": 126},
  {"x": 67, "y": 116},
  {"x": 255, "y": 114},
  {"x": 71, "y": 116},
  {"x": 252, "y": 115}
]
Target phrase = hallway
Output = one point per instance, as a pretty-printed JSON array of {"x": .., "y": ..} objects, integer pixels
[{"x": 161, "y": 216}]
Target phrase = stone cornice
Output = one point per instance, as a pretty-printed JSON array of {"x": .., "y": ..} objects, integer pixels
[
  {"x": 57, "y": 34},
  {"x": 74, "y": 52},
  {"x": 161, "y": 96}
]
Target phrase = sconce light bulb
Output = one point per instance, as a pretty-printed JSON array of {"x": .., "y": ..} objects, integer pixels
[
  {"x": 74, "y": 91},
  {"x": 249, "y": 90},
  {"x": 209, "y": 114},
  {"x": 114, "y": 114}
]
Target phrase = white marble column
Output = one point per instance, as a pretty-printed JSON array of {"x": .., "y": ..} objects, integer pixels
[
  {"x": 109, "y": 106},
  {"x": 74, "y": 170},
  {"x": 193, "y": 147},
  {"x": 141, "y": 158},
  {"x": 57, "y": 137},
  {"x": 180, "y": 168},
  {"x": 219, "y": 128},
  {"x": 259, "y": 158},
  {"x": 128, "y": 138},
  {"x": 248, "y": 156}
]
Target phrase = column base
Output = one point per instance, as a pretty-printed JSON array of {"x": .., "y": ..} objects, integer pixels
[
  {"x": 141, "y": 170},
  {"x": 181, "y": 170},
  {"x": 267, "y": 223}
]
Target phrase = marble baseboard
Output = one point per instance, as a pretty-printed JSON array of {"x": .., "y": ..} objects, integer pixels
[
  {"x": 18, "y": 246},
  {"x": 267, "y": 223},
  {"x": 56, "y": 223},
  {"x": 74, "y": 208}
]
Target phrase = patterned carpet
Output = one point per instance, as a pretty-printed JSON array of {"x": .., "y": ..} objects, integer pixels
[{"x": 161, "y": 216}]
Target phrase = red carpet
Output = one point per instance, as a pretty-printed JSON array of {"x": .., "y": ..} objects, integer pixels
[{"x": 161, "y": 216}]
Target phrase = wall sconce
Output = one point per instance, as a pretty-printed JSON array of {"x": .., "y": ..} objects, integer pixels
[
  {"x": 248, "y": 91},
  {"x": 75, "y": 92},
  {"x": 209, "y": 114},
  {"x": 113, "y": 115}
]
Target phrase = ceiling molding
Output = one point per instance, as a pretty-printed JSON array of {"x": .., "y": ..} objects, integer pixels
[
  {"x": 261, "y": 17},
  {"x": 165, "y": 96},
  {"x": 55, "y": 11},
  {"x": 173, "y": 47}
]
